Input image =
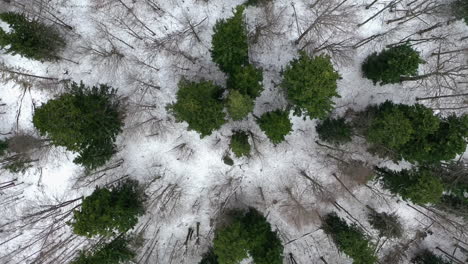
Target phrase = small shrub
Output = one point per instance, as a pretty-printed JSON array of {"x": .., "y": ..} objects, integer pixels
[
  {"x": 240, "y": 144},
  {"x": 276, "y": 125},
  {"x": 389, "y": 65},
  {"x": 85, "y": 120},
  {"x": 417, "y": 185},
  {"x": 199, "y": 105},
  {"x": 3, "y": 147},
  {"x": 239, "y": 105},
  {"x": 335, "y": 131},
  {"x": 310, "y": 84},
  {"x": 427, "y": 257},
  {"x": 247, "y": 80},
  {"x": 388, "y": 225},
  {"x": 106, "y": 212},
  {"x": 230, "y": 48},
  {"x": 349, "y": 239},
  {"x": 30, "y": 38},
  {"x": 114, "y": 252}
]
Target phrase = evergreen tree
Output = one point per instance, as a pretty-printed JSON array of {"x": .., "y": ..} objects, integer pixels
[
  {"x": 209, "y": 258},
  {"x": 418, "y": 185},
  {"x": 349, "y": 239},
  {"x": 239, "y": 105},
  {"x": 106, "y": 212},
  {"x": 3, "y": 146},
  {"x": 276, "y": 125},
  {"x": 85, "y": 120},
  {"x": 248, "y": 234},
  {"x": 200, "y": 105},
  {"x": 389, "y": 65},
  {"x": 230, "y": 48},
  {"x": 388, "y": 225},
  {"x": 334, "y": 130},
  {"x": 310, "y": 84},
  {"x": 414, "y": 133},
  {"x": 30, "y": 38},
  {"x": 114, "y": 252},
  {"x": 240, "y": 144},
  {"x": 247, "y": 80},
  {"x": 460, "y": 9},
  {"x": 427, "y": 257}
]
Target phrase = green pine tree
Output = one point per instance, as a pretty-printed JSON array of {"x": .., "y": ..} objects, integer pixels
[
  {"x": 389, "y": 65},
  {"x": 334, "y": 130},
  {"x": 200, "y": 105},
  {"x": 30, "y": 38},
  {"x": 310, "y": 85},
  {"x": 459, "y": 9},
  {"x": 209, "y": 257},
  {"x": 109, "y": 211},
  {"x": 115, "y": 252},
  {"x": 247, "y": 80},
  {"x": 239, "y": 105},
  {"x": 420, "y": 186},
  {"x": 427, "y": 257},
  {"x": 85, "y": 120},
  {"x": 276, "y": 125},
  {"x": 388, "y": 225},
  {"x": 248, "y": 234},
  {"x": 240, "y": 144},
  {"x": 230, "y": 48},
  {"x": 349, "y": 239}
]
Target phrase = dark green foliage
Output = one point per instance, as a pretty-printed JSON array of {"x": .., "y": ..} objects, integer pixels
[
  {"x": 427, "y": 257},
  {"x": 3, "y": 147},
  {"x": 390, "y": 64},
  {"x": 388, "y": 225},
  {"x": 420, "y": 186},
  {"x": 209, "y": 258},
  {"x": 349, "y": 239},
  {"x": 85, "y": 120},
  {"x": 247, "y": 80},
  {"x": 414, "y": 133},
  {"x": 248, "y": 234},
  {"x": 227, "y": 160},
  {"x": 106, "y": 212},
  {"x": 114, "y": 252},
  {"x": 310, "y": 84},
  {"x": 239, "y": 105},
  {"x": 257, "y": 2},
  {"x": 276, "y": 125},
  {"x": 230, "y": 48},
  {"x": 454, "y": 204},
  {"x": 460, "y": 9},
  {"x": 200, "y": 105},
  {"x": 334, "y": 130},
  {"x": 240, "y": 144},
  {"x": 30, "y": 39}
]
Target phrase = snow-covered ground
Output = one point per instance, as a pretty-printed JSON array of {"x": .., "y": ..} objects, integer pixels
[{"x": 157, "y": 43}]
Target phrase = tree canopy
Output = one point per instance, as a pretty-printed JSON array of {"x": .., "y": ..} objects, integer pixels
[
  {"x": 30, "y": 38},
  {"x": 310, "y": 85},
  {"x": 200, "y": 105},
  {"x": 230, "y": 49},
  {"x": 107, "y": 211},
  {"x": 276, "y": 125},
  {"x": 389, "y": 65},
  {"x": 239, "y": 105},
  {"x": 248, "y": 234},
  {"x": 349, "y": 239},
  {"x": 418, "y": 185},
  {"x": 85, "y": 120},
  {"x": 240, "y": 144},
  {"x": 114, "y": 252},
  {"x": 335, "y": 130}
]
